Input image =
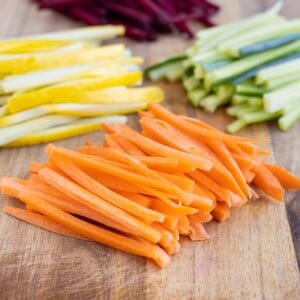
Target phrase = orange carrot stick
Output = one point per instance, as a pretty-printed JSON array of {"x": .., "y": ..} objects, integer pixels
[
  {"x": 155, "y": 148},
  {"x": 138, "y": 198},
  {"x": 166, "y": 236},
  {"x": 38, "y": 187},
  {"x": 161, "y": 113},
  {"x": 41, "y": 221},
  {"x": 197, "y": 231},
  {"x": 173, "y": 210},
  {"x": 96, "y": 203},
  {"x": 243, "y": 160},
  {"x": 100, "y": 190},
  {"x": 212, "y": 186},
  {"x": 170, "y": 222},
  {"x": 154, "y": 162},
  {"x": 183, "y": 225},
  {"x": 173, "y": 248},
  {"x": 266, "y": 181},
  {"x": 111, "y": 143},
  {"x": 106, "y": 167},
  {"x": 223, "y": 153},
  {"x": 164, "y": 133},
  {"x": 202, "y": 217},
  {"x": 97, "y": 233},
  {"x": 126, "y": 144},
  {"x": 221, "y": 212},
  {"x": 248, "y": 175},
  {"x": 11, "y": 187},
  {"x": 286, "y": 179}
]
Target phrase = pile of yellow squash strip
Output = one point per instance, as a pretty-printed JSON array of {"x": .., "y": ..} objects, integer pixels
[{"x": 62, "y": 84}]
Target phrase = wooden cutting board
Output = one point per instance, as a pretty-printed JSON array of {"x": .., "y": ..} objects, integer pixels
[{"x": 250, "y": 256}]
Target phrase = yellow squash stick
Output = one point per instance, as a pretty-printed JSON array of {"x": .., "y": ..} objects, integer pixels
[
  {"x": 29, "y": 46},
  {"x": 72, "y": 90},
  {"x": 54, "y": 60},
  {"x": 91, "y": 110},
  {"x": 77, "y": 127}
]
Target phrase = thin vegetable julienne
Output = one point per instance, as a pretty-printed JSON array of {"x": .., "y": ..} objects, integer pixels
[
  {"x": 148, "y": 208},
  {"x": 92, "y": 201},
  {"x": 100, "y": 190},
  {"x": 96, "y": 233}
]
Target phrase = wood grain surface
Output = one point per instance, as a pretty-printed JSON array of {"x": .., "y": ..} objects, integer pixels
[{"x": 249, "y": 257}]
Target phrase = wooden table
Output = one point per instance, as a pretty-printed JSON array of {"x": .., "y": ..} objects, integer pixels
[{"x": 249, "y": 257}]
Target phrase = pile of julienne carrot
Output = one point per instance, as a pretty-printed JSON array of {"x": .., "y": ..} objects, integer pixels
[
  {"x": 60, "y": 84},
  {"x": 142, "y": 19},
  {"x": 141, "y": 191}
]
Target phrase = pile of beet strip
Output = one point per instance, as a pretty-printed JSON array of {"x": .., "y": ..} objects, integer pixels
[{"x": 143, "y": 19}]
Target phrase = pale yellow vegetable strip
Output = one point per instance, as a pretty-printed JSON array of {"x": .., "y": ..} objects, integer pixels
[
  {"x": 29, "y": 45},
  {"x": 79, "y": 127},
  {"x": 44, "y": 77},
  {"x": 23, "y": 116},
  {"x": 89, "y": 110},
  {"x": 82, "y": 56},
  {"x": 85, "y": 33},
  {"x": 3, "y": 100},
  {"x": 129, "y": 95},
  {"x": 64, "y": 49},
  {"x": 73, "y": 90},
  {"x": 14, "y": 132}
]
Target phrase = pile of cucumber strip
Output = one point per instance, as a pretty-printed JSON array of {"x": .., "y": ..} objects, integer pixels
[{"x": 252, "y": 66}]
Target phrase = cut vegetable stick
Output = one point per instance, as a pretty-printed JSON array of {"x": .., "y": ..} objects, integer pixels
[
  {"x": 222, "y": 151},
  {"x": 82, "y": 56},
  {"x": 286, "y": 179},
  {"x": 98, "y": 32},
  {"x": 127, "y": 145},
  {"x": 94, "y": 110},
  {"x": 14, "y": 132},
  {"x": 173, "y": 210},
  {"x": 138, "y": 198},
  {"x": 174, "y": 247},
  {"x": 41, "y": 221},
  {"x": 100, "y": 190},
  {"x": 221, "y": 212},
  {"x": 243, "y": 161},
  {"x": 218, "y": 171},
  {"x": 183, "y": 225},
  {"x": 38, "y": 187},
  {"x": 202, "y": 217},
  {"x": 78, "y": 127},
  {"x": 216, "y": 189},
  {"x": 71, "y": 90},
  {"x": 136, "y": 165},
  {"x": 202, "y": 191},
  {"x": 236, "y": 200},
  {"x": 95, "y": 232},
  {"x": 166, "y": 236},
  {"x": 105, "y": 166},
  {"x": 266, "y": 181},
  {"x": 189, "y": 128},
  {"x": 170, "y": 222},
  {"x": 155, "y": 148},
  {"x": 248, "y": 148},
  {"x": 196, "y": 230},
  {"x": 111, "y": 143},
  {"x": 94, "y": 202},
  {"x": 183, "y": 182},
  {"x": 11, "y": 187},
  {"x": 153, "y": 162},
  {"x": 248, "y": 175}
]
